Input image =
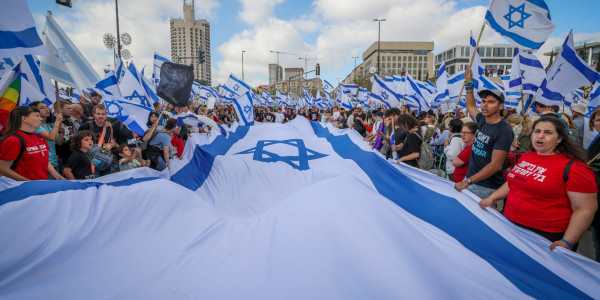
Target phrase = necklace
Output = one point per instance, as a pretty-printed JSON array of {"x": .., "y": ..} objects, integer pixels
[
  {"x": 91, "y": 162},
  {"x": 35, "y": 142}
]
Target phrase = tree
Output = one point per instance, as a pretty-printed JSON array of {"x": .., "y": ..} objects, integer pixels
[
  {"x": 419, "y": 76},
  {"x": 363, "y": 81}
]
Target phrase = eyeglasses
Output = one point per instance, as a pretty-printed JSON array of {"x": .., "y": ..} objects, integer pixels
[{"x": 465, "y": 132}]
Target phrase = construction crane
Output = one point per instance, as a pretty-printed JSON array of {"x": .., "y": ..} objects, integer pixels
[
  {"x": 280, "y": 52},
  {"x": 306, "y": 59}
]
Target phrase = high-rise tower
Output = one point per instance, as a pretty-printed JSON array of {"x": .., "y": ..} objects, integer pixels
[{"x": 188, "y": 37}]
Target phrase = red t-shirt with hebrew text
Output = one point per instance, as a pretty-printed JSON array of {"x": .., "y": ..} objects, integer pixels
[
  {"x": 538, "y": 192},
  {"x": 33, "y": 164}
]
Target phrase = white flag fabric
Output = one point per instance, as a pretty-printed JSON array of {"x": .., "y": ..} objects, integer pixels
[
  {"x": 131, "y": 88},
  {"x": 383, "y": 94},
  {"x": 158, "y": 61},
  {"x": 235, "y": 88},
  {"x": 29, "y": 93},
  {"x": 568, "y": 73},
  {"x": 65, "y": 63},
  {"x": 524, "y": 23},
  {"x": 18, "y": 35},
  {"x": 304, "y": 211},
  {"x": 244, "y": 108},
  {"x": 30, "y": 68}
]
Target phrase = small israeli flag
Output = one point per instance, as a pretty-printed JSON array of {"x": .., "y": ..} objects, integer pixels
[{"x": 524, "y": 23}]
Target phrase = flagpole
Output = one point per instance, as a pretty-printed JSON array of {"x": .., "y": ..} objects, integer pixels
[
  {"x": 56, "y": 90},
  {"x": 471, "y": 62}
]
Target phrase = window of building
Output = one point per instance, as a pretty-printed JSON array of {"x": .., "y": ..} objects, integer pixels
[
  {"x": 462, "y": 51},
  {"x": 425, "y": 65},
  {"x": 488, "y": 52},
  {"x": 393, "y": 65},
  {"x": 481, "y": 52},
  {"x": 499, "y": 52},
  {"x": 420, "y": 65},
  {"x": 410, "y": 58},
  {"x": 410, "y": 65},
  {"x": 393, "y": 58},
  {"x": 509, "y": 52},
  {"x": 403, "y": 58},
  {"x": 403, "y": 65},
  {"x": 425, "y": 58},
  {"x": 388, "y": 65}
]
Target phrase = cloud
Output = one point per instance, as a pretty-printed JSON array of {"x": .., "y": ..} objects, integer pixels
[
  {"x": 256, "y": 12},
  {"x": 148, "y": 26}
]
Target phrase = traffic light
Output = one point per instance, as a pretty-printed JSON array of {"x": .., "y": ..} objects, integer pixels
[
  {"x": 318, "y": 70},
  {"x": 66, "y": 3},
  {"x": 403, "y": 72},
  {"x": 201, "y": 56}
]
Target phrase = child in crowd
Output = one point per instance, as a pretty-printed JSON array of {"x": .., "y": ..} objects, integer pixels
[
  {"x": 127, "y": 159},
  {"x": 80, "y": 165}
]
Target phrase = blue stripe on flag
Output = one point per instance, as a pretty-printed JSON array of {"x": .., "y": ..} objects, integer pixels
[
  {"x": 542, "y": 4},
  {"x": 530, "y": 62},
  {"x": 44, "y": 187},
  {"x": 27, "y": 38},
  {"x": 60, "y": 73},
  {"x": 569, "y": 54},
  {"x": 450, "y": 216},
  {"x": 193, "y": 175},
  {"x": 515, "y": 37}
]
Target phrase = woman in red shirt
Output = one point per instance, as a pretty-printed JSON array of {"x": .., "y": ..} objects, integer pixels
[
  {"x": 539, "y": 197},
  {"x": 461, "y": 161},
  {"x": 33, "y": 162}
]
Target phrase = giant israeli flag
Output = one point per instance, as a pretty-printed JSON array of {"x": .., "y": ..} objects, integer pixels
[
  {"x": 278, "y": 211},
  {"x": 524, "y": 23},
  {"x": 65, "y": 63},
  {"x": 568, "y": 73}
]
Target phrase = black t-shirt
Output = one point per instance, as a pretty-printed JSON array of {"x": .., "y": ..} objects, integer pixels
[
  {"x": 288, "y": 117},
  {"x": 120, "y": 132},
  {"x": 64, "y": 151},
  {"x": 412, "y": 144},
  {"x": 399, "y": 136},
  {"x": 358, "y": 126},
  {"x": 489, "y": 137},
  {"x": 80, "y": 165},
  {"x": 269, "y": 118},
  {"x": 314, "y": 116}
]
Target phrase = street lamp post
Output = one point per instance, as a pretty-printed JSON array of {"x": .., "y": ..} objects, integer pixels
[
  {"x": 378, "y": 43},
  {"x": 118, "y": 35},
  {"x": 243, "y": 64}
]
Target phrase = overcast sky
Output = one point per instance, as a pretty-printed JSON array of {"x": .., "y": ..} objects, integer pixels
[{"x": 331, "y": 31}]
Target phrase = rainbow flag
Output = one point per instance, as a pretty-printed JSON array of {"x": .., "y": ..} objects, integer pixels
[{"x": 9, "y": 101}]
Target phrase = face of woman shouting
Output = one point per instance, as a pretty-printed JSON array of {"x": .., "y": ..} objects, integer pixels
[{"x": 545, "y": 138}]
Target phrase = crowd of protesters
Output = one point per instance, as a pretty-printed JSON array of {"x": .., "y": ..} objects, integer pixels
[{"x": 534, "y": 170}]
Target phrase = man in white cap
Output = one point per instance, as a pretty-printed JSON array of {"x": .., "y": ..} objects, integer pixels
[{"x": 579, "y": 110}]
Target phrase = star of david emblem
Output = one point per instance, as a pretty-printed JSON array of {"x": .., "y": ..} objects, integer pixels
[
  {"x": 113, "y": 108},
  {"x": 247, "y": 108},
  {"x": 590, "y": 109},
  {"x": 522, "y": 74},
  {"x": 519, "y": 9},
  {"x": 236, "y": 87},
  {"x": 2, "y": 65},
  {"x": 143, "y": 99},
  {"x": 207, "y": 94},
  {"x": 384, "y": 95},
  {"x": 299, "y": 162}
]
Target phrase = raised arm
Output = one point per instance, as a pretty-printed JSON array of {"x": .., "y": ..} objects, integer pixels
[{"x": 471, "y": 105}]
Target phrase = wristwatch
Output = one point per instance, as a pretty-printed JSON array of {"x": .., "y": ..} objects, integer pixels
[{"x": 469, "y": 181}]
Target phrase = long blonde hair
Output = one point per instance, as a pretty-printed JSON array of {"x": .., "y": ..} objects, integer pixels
[{"x": 520, "y": 120}]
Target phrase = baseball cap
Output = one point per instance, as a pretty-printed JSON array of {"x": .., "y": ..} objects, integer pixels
[
  {"x": 94, "y": 94},
  {"x": 496, "y": 93},
  {"x": 579, "y": 107}
]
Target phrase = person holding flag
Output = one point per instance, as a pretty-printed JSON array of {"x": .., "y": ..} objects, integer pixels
[{"x": 492, "y": 142}]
